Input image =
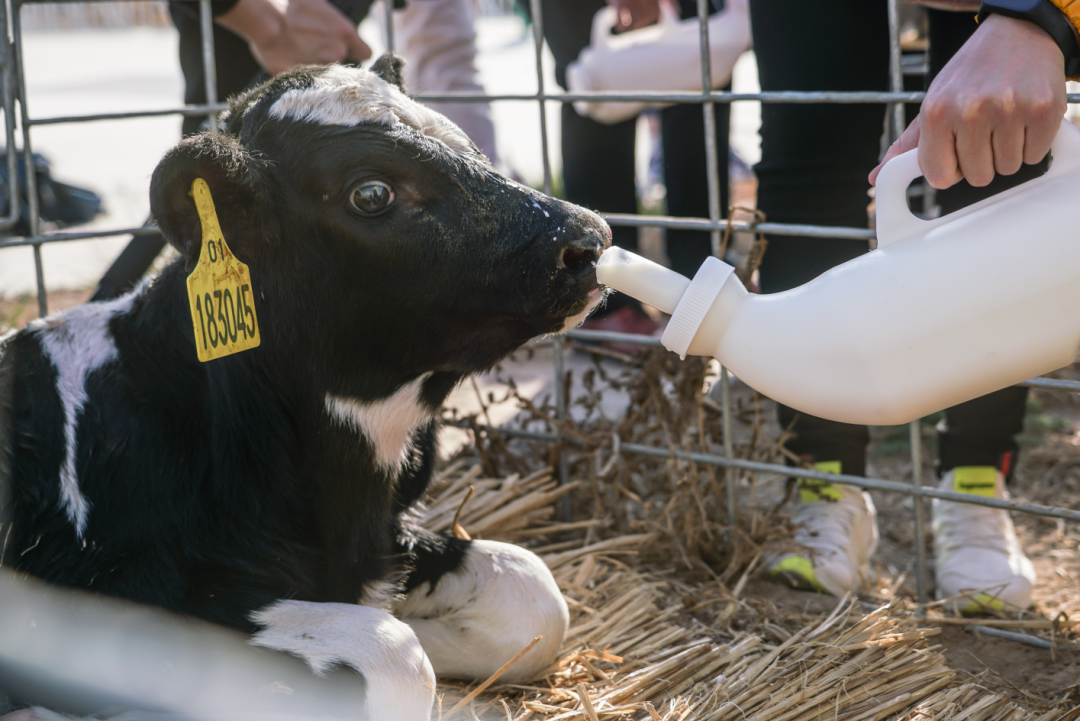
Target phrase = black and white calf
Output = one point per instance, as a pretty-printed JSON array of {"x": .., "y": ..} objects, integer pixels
[{"x": 269, "y": 490}]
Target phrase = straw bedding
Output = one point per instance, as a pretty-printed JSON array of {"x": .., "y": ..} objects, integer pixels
[{"x": 661, "y": 646}]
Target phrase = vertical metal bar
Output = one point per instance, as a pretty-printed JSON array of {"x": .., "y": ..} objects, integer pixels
[
  {"x": 896, "y": 72},
  {"x": 712, "y": 174},
  {"x": 388, "y": 10},
  {"x": 538, "y": 38},
  {"x": 7, "y": 78},
  {"x": 712, "y": 164},
  {"x": 557, "y": 347},
  {"x": 206, "y": 27},
  {"x": 34, "y": 219},
  {"x": 729, "y": 446},
  {"x": 915, "y": 430}
]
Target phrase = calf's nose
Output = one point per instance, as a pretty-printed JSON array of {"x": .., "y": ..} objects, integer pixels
[{"x": 579, "y": 256}]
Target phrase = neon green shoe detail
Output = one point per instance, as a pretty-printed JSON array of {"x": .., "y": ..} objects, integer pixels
[
  {"x": 978, "y": 559},
  {"x": 976, "y": 480},
  {"x": 981, "y": 603},
  {"x": 835, "y": 535},
  {"x": 811, "y": 490},
  {"x": 796, "y": 572}
]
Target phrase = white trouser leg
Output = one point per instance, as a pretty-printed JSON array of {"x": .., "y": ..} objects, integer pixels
[{"x": 438, "y": 40}]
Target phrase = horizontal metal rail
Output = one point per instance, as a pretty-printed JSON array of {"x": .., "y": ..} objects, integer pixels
[
  {"x": 610, "y": 336},
  {"x": 128, "y": 115},
  {"x": 778, "y": 96},
  {"x": 18, "y": 241},
  {"x": 1025, "y": 639},
  {"x": 664, "y": 221},
  {"x": 772, "y": 96},
  {"x": 906, "y": 489},
  {"x": 638, "y": 221}
]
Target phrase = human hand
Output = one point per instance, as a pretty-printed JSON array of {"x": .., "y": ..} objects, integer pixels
[
  {"x": 998, "y": 103},
  {"x": 296, "y": 33},
  {"x": 634, "y": 14}
]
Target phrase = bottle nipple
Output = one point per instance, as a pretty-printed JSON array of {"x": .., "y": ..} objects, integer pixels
[{"x": 641, "y": 278}]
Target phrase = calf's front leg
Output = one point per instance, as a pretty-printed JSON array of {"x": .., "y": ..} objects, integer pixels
[
  {"x": 473, "y": 619},
  {"x": 400, "y": 682}
]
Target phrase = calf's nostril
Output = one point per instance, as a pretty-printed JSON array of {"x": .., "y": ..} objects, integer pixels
[{"x": 579, "y": 255}]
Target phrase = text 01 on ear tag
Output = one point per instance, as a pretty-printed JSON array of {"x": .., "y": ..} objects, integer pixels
[{"x": 219, "y": 289}]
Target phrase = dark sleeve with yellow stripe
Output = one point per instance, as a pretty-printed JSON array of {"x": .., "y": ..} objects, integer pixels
[{"x": 1071, "y": 8}]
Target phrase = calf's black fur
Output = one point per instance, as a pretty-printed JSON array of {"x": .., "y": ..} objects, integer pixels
[{"x": 216, "y": 489}]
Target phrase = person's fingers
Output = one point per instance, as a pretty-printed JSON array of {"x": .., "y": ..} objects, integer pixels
[
  {"x": 974, "y": 153},
  {"x": 937, "y": 148},
  {"x": 634, "y": 14},
  {"x": 1007, "y": 143},
  {"x": 357, "y": 49},
  {"x": 908, "y": 140},
  {"x": 1039, "y": 134}
]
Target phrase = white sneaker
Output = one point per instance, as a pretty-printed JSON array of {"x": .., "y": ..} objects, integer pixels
[
  {"x": 837, "y": 525},
  {"x": 975, "y": 547}
]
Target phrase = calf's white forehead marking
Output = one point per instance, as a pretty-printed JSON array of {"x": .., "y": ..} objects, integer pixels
[
  {"x": 389, "y": 423},
  {"x": 350, "y": 96},
  {"x": 78, "y": 342}
]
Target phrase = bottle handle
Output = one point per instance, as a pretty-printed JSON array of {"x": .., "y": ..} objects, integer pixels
[
  {"x": 896, "y": 222},
  {"x": 669, "y": 18},
  {"x": 603, "y": 22}
]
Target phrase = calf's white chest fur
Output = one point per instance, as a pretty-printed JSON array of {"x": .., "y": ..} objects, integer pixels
[{"x": 389, "y": 424}]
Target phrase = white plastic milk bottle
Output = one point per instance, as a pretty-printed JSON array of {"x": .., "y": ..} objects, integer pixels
[
  {"x": 662, "y": 57},
  {"x": 941, "y": 312}
]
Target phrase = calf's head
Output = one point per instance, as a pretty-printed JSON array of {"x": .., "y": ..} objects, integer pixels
[{"x": 375, "y": 231}]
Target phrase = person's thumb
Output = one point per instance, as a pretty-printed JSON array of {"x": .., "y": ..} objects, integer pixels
[
  {"x": 357, "y": 49},
  {"x": 908, "y": 140}
]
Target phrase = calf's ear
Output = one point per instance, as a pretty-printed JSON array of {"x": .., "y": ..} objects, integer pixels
[
  {"x": 391, "y": 67},
  {"x": 237, "y": 184}
]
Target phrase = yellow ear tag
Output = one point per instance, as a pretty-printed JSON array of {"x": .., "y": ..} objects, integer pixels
[{"x": 219, "y": 289}]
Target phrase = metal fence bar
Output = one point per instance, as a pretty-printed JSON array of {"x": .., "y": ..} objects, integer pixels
[
  {"x": 896, "y": 72},
  {"x": 1034, "y": 509},
  {"x": 388, "y": 10},
  {"x": 8, "y": 79},
  {"x": 842, "y": 97},
  {"x": 204, "y": 109},
  {"x": 206, "y": 35},
  {"x": 915, "y": 431},
  {"x": 813, "y": 231},
  {"x": 34, "y": 219},
  {"x": 613, "y": 336},
  {"x": 18, "y": 241},
  {"x": 1023, "y": 638},
  {"x": 729, "y": 447},
  {"x": 557, "y": 347},
  {"x": 640, "y": 221}
]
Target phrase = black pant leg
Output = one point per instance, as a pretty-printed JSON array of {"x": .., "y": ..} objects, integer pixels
[
  {"x": 980, "y": 432},
  {"x": 235, "y": 65},
  {"x": 682, "y": 130},
  {"x": 815, "y": 160},
  {"x": 598, "y": 159}
]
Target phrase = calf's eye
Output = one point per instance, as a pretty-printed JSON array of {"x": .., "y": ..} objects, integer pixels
[{"x": 371, "y": 198}]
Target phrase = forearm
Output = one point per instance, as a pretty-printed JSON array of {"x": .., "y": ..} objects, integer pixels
[{"x": 259, "y": 22}]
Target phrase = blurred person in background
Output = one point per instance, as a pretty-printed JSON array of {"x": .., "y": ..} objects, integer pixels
[
  {"x": 254, "y": 39},
  {"x": 598, "y": 159},
  {"x": 995, "y": 99}
]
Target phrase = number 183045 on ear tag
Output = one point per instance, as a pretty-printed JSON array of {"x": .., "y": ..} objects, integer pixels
[{"x": 219, "y": 289}]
